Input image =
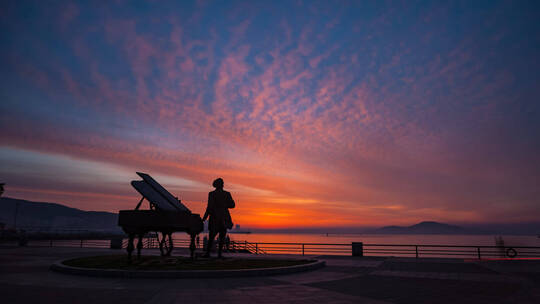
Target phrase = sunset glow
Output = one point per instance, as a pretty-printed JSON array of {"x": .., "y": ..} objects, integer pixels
[{"x": 315, "y": 114}]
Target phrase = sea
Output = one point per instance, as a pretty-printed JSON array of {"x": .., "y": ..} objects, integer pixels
[{"x": 392, "y": 239}]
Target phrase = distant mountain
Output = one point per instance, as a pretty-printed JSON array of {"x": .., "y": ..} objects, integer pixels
[
  {"x": 55, "y": 216},
  {"x": 424, "y": 228}
]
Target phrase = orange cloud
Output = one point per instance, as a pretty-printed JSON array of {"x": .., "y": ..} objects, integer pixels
[{"x": 306, "y": 130}]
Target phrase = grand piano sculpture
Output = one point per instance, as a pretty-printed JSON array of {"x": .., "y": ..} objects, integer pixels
[{"x": 166, "y": 215}]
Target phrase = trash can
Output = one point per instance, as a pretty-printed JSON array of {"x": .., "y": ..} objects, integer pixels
[
  {"x": 358, "y": 249},
  {"x": 116, "y": 243}
]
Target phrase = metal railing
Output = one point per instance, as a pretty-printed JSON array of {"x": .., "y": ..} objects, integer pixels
[
  {"x": 82, "y": 243},
  {"x": 403, "y": 250},
  {"x": 408, "y": 250},
  {"x": 460, "y": 251},
  {"x": 305, "y": 248}
]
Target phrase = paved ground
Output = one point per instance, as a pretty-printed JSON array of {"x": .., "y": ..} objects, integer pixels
[{"x": 25, "y": 278}]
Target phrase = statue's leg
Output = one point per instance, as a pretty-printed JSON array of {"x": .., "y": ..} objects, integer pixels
[
  {"x": 139, "y": 246},
  {"x": 130, "y": 246},
  {"x": 192, "y": 246},
  {"x": 221, "y": 240}
]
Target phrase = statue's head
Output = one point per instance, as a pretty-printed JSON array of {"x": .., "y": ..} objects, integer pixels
[{"x": 218, "y": 183}]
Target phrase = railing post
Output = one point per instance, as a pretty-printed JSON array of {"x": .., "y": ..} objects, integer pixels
[
  {"x": 81, "y": 242},
  {"x": 416, "y": 248},
  {"x": 478, "y": 250},
  {"x": 357, "y": 249},
  {"x": 50, "y": 244},
  {"x": 245, "y": 245},
  {"x": 302, "y": 249}
]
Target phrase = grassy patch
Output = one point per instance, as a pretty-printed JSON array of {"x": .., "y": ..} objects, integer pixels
[{"x": 178, "y": 263}]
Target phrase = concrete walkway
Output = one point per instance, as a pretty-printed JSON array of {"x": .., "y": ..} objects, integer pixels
[{"x": 25, "y": 278}]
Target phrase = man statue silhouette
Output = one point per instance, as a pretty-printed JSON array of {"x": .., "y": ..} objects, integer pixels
[{"x": 219, "y": 202}]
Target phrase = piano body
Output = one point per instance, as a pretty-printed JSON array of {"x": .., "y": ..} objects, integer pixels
[{"x": 166, "y": 215}]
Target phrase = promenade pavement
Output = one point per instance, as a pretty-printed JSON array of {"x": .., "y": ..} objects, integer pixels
[{"x": 25, "y": 278}]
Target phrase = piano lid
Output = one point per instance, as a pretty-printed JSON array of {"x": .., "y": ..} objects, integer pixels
[{"x": 155, "y": 193}]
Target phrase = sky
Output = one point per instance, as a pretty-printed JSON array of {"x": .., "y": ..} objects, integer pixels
[{"x": 316, "y": 114}]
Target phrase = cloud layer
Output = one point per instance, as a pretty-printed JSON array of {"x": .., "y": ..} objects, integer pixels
[{"x": 315, "y": 114}]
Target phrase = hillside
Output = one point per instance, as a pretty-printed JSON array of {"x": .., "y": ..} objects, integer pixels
[
  {"x": 424, "y": 228},
  {"x": 55, "y": 216}
]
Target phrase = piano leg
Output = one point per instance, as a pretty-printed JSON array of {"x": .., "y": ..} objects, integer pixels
[
  {"x": 130, "y": 246},
  {"x": 171, "y": 245},
  {"x": 192, "y": 246},
  {"x": 139, "y": 246},
  {"x": 166, "y": 246},
  {"x": 162, "y": 244}
]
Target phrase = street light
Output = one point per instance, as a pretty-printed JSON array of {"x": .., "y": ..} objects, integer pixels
[
  {"x": 16, "y": 206},
  {"x": 1, "y": 192}
]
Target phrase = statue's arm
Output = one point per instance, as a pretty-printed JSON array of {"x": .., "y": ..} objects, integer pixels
[{"x": 231, "y": 201}]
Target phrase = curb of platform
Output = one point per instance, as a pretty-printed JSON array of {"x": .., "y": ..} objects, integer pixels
[{"x": 184, "y": 274}]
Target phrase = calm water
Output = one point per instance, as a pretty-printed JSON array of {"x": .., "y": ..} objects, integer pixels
[
  {"x": 421, "y": 239},
  {"x": 372, "y": 239}
]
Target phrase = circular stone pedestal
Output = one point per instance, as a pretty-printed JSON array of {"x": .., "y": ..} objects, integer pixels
[{"x": 182, "y": 267}]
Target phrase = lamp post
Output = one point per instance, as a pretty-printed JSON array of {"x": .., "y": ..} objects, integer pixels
[
  {"x": 16, "y": 211},
  {"x": 16, "y": 206},
  {"x": 1, "y": 192}
]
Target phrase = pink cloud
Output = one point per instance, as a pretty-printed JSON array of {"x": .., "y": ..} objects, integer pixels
[{"x": 286, "y": 125}]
